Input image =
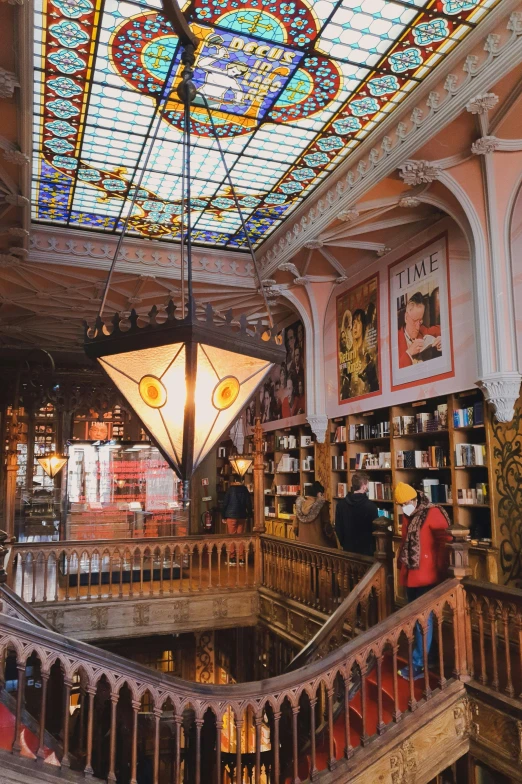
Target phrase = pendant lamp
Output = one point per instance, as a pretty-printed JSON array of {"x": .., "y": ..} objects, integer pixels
[
  {"x": 52, "y": 464},
  {"x": 186, "y": 378},
  {"x": 239, "y": 461}
]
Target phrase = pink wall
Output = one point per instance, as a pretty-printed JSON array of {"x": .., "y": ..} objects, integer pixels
[{"x": 465, "y": 362}]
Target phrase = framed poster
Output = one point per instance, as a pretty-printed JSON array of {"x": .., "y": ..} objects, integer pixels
[
  {"x": 420, "y": 316},
  {"x": 357, "y": 315}
]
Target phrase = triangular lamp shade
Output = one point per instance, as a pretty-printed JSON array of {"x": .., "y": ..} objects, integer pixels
[
  {"x": 155, "y": 381},
  {"x": 52, "y": 464}
]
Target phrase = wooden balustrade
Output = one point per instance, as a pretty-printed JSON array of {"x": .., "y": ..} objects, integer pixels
[
  {"x": 494, "y": 634},
  {"x": 175, "y": 729},
  {"x": 132, "y": 568},
  {"x": 316, "y": 576}
]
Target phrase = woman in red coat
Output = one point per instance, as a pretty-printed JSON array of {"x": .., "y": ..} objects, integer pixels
[{"x": 422, "y": 558}]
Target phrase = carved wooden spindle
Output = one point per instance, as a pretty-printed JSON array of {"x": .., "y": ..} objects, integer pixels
[
  {"x": 112, "y": 741},
  {"x": 332, "y": 762},
  {"x": 219, "y": 731},
  {"x": 22, "y": 589},
  {"x": 275, "y": 745},
  {"x": 483, "y": 678},
  {"x": 134, "y": 742},
  {"x": 89, "y": 575},
  {"x": 313, "y": 767},
  {"x": 424, "y": 632},
  {"x": 257, "y": 773},
  {"x": 396, "y": 710},
  {"x": 494, "y": 644},
  {"x": 67, "y": 684},
  {"x": 16, "y": 747},
  {"x": 177, "y": 752},
  {"x": 239, "y": 770},
  {"x": 348, "y": 748},
  {"x": 199, "y": 724},
  {"x": 510, "y": 691},
  {"x": 412, "y": 702},
  {"x": 91, "y": 692},
  {"x": 40, "y": 753},
  {"x": 258, "y": 470},
  {"x": 442, "y": 680},
  {"x": 380, "y": 722},
  {"x": 45, "y": 577},
  {"x": 295, "y": 745},
  {"x": 157, "y": 716},
  {"x": 35, "y": 561},
  {"x": 364, "y": 706}
]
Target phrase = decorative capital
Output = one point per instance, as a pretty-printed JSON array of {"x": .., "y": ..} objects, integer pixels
[
  {"x": 17, "y": 157},
  {"x": 288, "y": 266},
  {"x": 482, "y": 104},
  {"x": 22, "y": 253},
  {"x": 7, "y": 260},
  {"x": 341, "y": 279},
  {"x": 16, "y": 231},
  {"x": 485, "y": 145},
  {"x": 301, "y": 281},
  {"x": 314, "y": 244},
  {"x": 419, "y": 172},
  {"x": 501, "y": 391},
  {"x": 409, "y": 202},
  {"x": 319, "y": 425},
  {"x": 8, "y": 82},
  {"x": 383, "y": 250},
  {"x": 348, "y": 215}
]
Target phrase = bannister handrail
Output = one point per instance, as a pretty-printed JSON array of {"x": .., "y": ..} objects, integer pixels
[
  {"x": 315, "y": 548},
  {"x": 491, "y": 589},
  {"x": 375, "y": 577},
  {"x": 98, "y": 544},
  {"x": 22, "y": 635}
]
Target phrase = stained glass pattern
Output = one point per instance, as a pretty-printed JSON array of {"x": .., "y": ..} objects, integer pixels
[{"x": 293, "y": 86}]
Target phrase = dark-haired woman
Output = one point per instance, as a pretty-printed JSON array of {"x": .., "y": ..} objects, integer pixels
[{"x": 312, "y": 518}]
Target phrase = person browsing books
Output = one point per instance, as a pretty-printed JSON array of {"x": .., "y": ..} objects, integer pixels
[
  {"x": 354, "y": 517},
  {"x": 414, "y": 338},
  {"x": 236, "y": 508},
  {"x": 312, "y": 518},
  {"x": 422, "y": 558}
]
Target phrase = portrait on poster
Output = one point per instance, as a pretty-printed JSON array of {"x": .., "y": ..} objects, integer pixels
[
  {"x": 420, "y": 317},
  {"x": 357, "y": 315}
]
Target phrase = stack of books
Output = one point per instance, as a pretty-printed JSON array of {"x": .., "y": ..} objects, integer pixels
[
  {"x": 287, "y": 442},
  {"x": 478, "y": 495},
  {"x": 470, "y": 454},
  {"x": 432, "y": 457},
  {"x": 270, "y": 466},
  {"x": 288, "y": 489},
  {"x": 370, "y": 461},
  {"x": 380, "y": 491},
  {"x": 368, "y": 431},
  {"x": 472, "y": 415},
  {"x": 287, "y": 464},
  {"x": 307, "y": 463},
  {"x": 425, "y": 422},
  {"x": 339, "y": 462},
  {"x": 437, "y": 493},
  {"x": 338, "y": 436}
]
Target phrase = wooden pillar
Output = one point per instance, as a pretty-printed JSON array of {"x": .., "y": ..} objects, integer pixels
[
  {"x": 458, "y": 552},
  {"x": 66, "y": 762},
  {"x": 40, "y": 754},
  {"x": 112, "y": 747},
  {"x": 16, "y": 748},
  {"x": 384, "y": 555},
  {"x": 91, "y": 691},
  {"x": 157, "y": 717},
  {"x": 239, "y": 772},
  {"x": 259, "y": 479},
  {"x": 136, "y": 704}
]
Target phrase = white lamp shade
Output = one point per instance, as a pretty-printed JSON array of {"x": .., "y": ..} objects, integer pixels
[{"x": 153, "y": 380}]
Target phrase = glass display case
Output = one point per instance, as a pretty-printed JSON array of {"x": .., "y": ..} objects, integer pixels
[{"x": 121, "y": 490}]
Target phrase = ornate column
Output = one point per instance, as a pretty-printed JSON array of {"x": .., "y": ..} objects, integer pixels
[{"x": 259, "y": 479}]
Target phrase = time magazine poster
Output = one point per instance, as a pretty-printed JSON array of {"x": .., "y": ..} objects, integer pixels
[
  {"x": 358, "y": 341},
  {"x": 420, "y": 316}
]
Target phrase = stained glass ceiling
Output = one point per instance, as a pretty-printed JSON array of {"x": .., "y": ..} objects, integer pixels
[{"x": 294, "y": 87}]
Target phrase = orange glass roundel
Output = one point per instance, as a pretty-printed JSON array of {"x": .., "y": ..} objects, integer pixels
[
  {"x": 152, "y": 392},
  {"x": 225, "y": 393}
]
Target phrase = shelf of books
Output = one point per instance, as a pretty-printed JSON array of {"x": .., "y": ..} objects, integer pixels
[
  {"x": 438, "y": 445},
  {"x": 289, "y": 455}
]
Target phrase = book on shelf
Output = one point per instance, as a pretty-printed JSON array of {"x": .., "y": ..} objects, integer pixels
[
  {"x": 306, "y": 441},
  {"x": 423, "y": 422},
  {"x": 478, "y": 495},
  {"x": 288, "y": 489},
  {"x": 342, "y": 489},
  {"x": 287, "y": 442},
  {"x": 270, "y": 511},
  {"x": 307, "y": 463},
  {"x": 384, "y": 513},
  {"x": 288, "y": 463},
  {"x": 469, "y": 416},
  {"x": 380, "y": 491},
  {"x": 470, "y": 454},
  {"x": 338, "y": 436},
  {"x": 339, "y": 462},
  {"x": 370, "y": 461},
  {"x": 432, "y": 457},
  {"x": 437, "y": 492},
  {"x": 270, "y": 466},
  {"x": 367, "y": 431}
]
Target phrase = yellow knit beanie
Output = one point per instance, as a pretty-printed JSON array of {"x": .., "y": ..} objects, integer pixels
[{"x": 404, "y": 493}]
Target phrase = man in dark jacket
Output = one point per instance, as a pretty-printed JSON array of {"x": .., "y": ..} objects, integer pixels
[
  {"x": 354, "y": 518},
  {"x": 237, "y": 507}
]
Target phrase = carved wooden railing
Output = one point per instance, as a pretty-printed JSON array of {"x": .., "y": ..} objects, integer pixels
[
  {"x": 362, "y": 608},
  {"x": 133, "y": 568},
  {"x": 316, "y": 576},
  {"x": 494, "y": 615},
  {"x": 178, "y": 727}
]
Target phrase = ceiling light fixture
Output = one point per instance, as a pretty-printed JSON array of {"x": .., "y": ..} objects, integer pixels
[
  {"x": 53, "y": 463},
  {"x": 187, "y": 379}
]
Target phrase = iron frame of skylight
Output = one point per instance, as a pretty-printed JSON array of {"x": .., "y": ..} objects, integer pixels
[{"x": 276, "y": 221}]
